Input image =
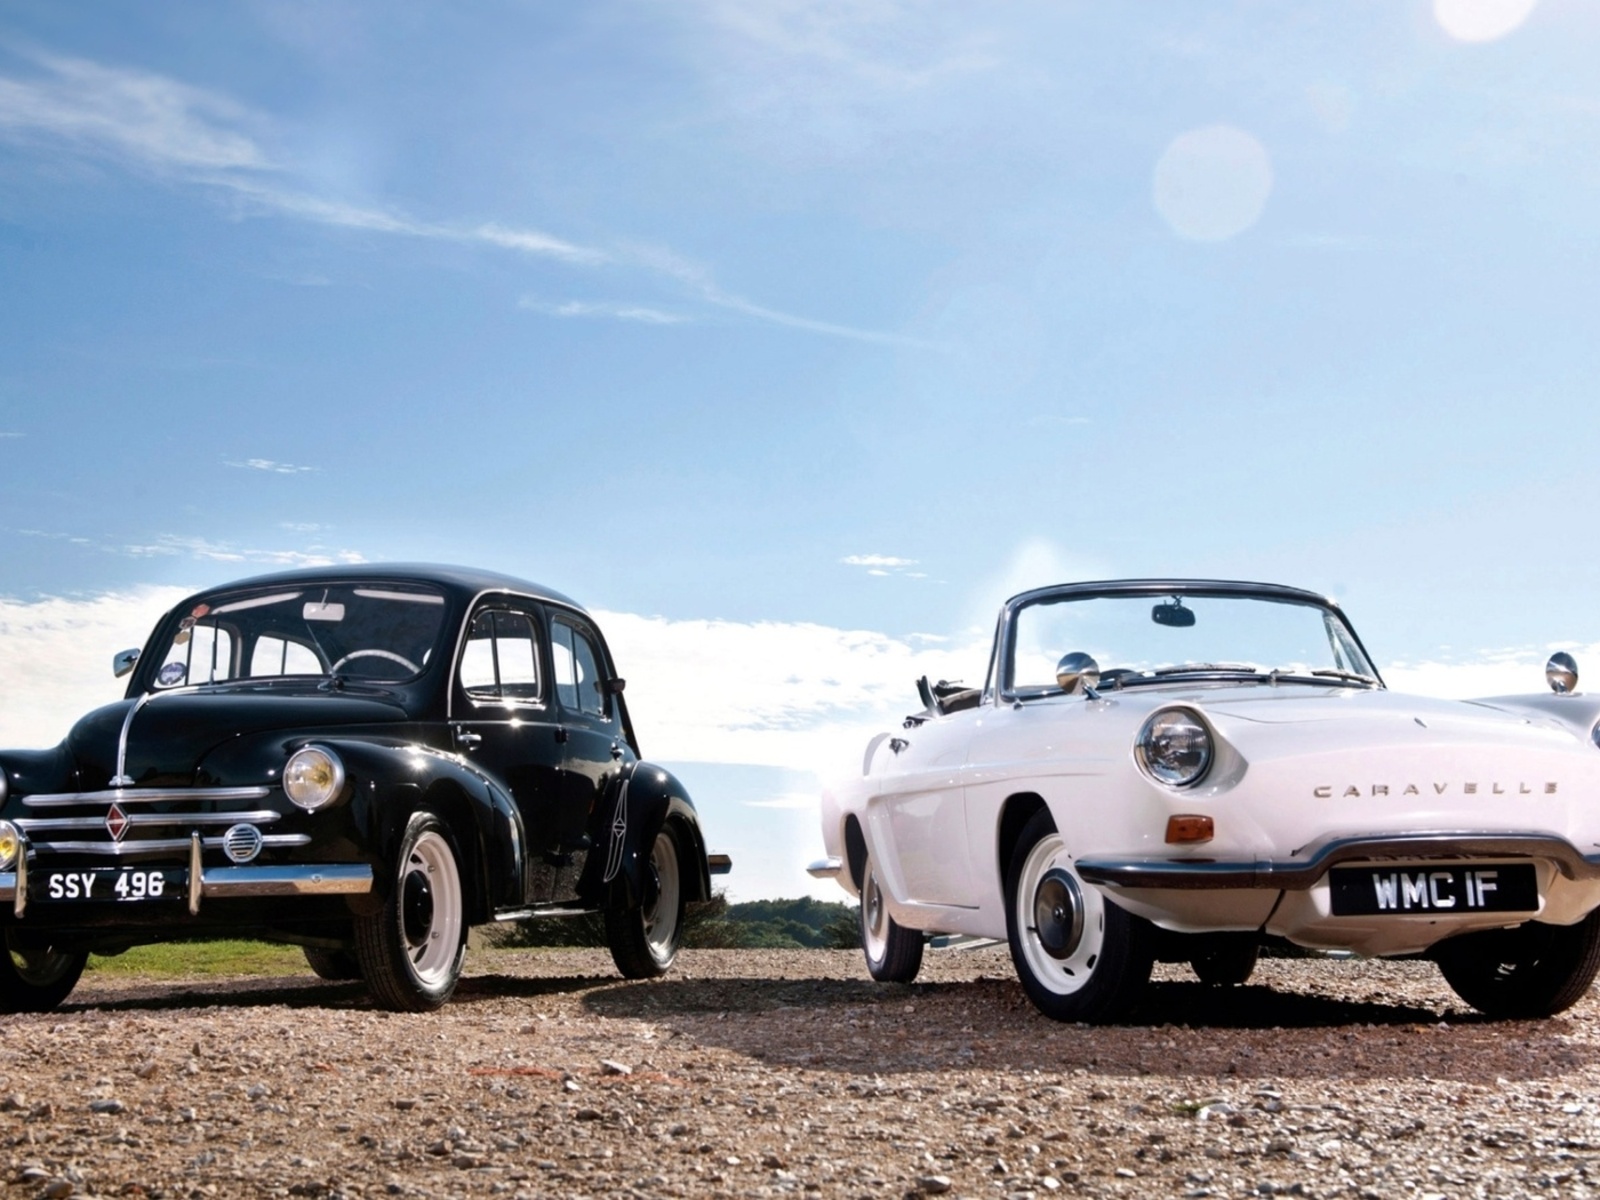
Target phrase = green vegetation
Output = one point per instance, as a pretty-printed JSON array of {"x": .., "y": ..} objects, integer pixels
[{"x": 204, "y": 958}]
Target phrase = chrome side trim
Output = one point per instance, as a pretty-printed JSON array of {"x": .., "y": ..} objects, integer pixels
[
  {"x": 321, "y": 879},
  {"x": 1299, "y": 874},
  {"x": 262, "y": 816},
  {"x": 160, "y": 845},
  {"x": 555, "y": 910},
  {"x": 146, "y": 796},
  {"x": 829, "y": 868}
]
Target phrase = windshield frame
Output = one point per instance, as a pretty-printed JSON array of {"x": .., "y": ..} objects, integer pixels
[{"x": 999, "y": 690}]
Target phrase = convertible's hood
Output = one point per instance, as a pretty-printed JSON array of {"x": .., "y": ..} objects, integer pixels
[
  {"x": 171, "y": 734},
  {"x": 1360, "y": 714}
]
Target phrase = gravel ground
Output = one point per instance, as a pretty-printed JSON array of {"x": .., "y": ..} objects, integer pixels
[{"x": 751, "y": 1073}]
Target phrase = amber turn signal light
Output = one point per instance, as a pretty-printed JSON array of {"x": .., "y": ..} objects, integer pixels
[{"x": 1189, "y": 828}]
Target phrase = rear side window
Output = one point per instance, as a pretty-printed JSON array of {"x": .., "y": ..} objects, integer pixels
[
  {"x": 579, "y": 682},
  {"x": 501, "y": 658}
]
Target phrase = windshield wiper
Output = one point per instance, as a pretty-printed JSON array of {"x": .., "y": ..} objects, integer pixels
[
  {"x": 1206, "y": 668},
  {"x": 1345, "y": 676}
]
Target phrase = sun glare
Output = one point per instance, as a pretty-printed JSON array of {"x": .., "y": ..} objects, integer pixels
[
  {"x": 1481, "y": 20},
  {"x": 1212, "y": 184}
]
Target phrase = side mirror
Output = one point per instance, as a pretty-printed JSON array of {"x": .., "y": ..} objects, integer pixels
[
  {"x": 613, "y": 687},
  {"x": 124, "y": 661},
  {"x": 1561, "y": 673},
  {"x": 1172, "y": 613},
  {"x": 1077, "y": 672}
]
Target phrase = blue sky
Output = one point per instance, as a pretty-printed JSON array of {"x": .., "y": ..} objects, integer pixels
[{"x": 794, "y": 336}]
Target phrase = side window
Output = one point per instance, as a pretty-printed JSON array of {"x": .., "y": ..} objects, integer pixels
[
  {"x": 501, "y": 658},
  {"x": 280, "y": 656},
  {"x": 578, "y": 677},
  {"x": 590, "y": 697},
  {"x": 566, "y": 669}
]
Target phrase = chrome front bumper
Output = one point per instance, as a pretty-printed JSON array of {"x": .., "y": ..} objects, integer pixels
[
  {"x": 319, "y": 879},
  {"x": 1299, "y": 874}
]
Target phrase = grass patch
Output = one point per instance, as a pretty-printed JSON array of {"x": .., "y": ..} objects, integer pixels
[{"x": 204, "y": 958}]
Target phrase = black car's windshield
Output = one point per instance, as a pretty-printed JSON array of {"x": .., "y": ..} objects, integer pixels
[
  {"x": 374, "y": 632},
  {"x": 1145, "y": 639}
]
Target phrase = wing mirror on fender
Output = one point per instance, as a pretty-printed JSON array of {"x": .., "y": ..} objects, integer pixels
[
  {"x": 1561, "y": 673},
  {"x": 1078, "y": 672}
]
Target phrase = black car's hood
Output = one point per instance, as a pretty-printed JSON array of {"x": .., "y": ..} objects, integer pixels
[{"x": 171, "y": 733}]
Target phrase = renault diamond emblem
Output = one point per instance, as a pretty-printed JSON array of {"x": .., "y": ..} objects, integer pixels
[{"x": 116, "y": 822}]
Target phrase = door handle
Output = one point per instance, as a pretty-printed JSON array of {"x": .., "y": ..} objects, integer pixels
[
  {"x": 467, "y": 739},
  {"x": 561, "y": 734},
  {"x": 616, "y": 750}
]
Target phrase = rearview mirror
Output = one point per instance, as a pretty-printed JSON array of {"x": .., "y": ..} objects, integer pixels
[{"x": 1172, "y": 613}]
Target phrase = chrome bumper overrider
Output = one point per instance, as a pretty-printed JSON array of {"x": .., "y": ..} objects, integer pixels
[
  {"x": 826, "y": 868},
  {"x": 1298, "y": 874}
]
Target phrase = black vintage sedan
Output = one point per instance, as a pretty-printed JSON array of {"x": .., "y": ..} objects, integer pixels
[{"x": 364, "y": 761}]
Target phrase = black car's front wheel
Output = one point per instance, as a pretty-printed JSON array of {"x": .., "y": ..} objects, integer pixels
[
  {"x": 36, "y": 978},
  {"x": 1079, "y": 956},
  {"x": 1534, "y": 970},
  {"x": 332, "y": 964},
  {"x": 411, "y": 951},
  {"x": 644, "y": 941}
]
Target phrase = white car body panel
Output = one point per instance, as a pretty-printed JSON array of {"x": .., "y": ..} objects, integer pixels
[{"x": 1298, "y": 767}]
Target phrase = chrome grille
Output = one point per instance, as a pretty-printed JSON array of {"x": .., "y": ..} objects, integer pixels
[{"x": 44, "y": 833}]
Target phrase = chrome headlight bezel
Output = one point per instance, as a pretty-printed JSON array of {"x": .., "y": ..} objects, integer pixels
[
  {"x": 313, "y": 778},
  {"x": 1175, "y": 747},
  {"x": 10, "y": 845},
  {"x": 1594, "y": 736}
]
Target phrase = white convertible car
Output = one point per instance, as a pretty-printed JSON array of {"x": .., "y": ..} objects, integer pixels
[{"x": 1180, "y": 770}]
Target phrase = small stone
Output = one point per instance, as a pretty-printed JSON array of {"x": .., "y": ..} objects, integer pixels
[
  {"x": 570, "y": 1085},
  {"x": 612, "y": 1067},
  {"x": 1126, "y": 1173},
  {"x": 466, "y": 1162},
  {"x": 32, "y": 1173},
  {"x": 58, "y": 1189},
  {"x": 587, "y": 1114},
  {"x": 773, "y": 1161},
  {"x": 934, "y": 1185},
  {"x": 107, "y": 1106},
  {"x": 146, "y": 1070},
  {"x": 405, "y": 1103}
]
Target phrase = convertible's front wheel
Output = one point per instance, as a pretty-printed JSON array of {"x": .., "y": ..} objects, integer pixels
[
  {"x": 894, "y": 953},
  {"x": 36, "y": 978},
  {"x": 1078, "y": 955},
  {"x": 1534, "y": 970},
  {"x": 412, "y": 950},
  {"x": 644, "y": 941}
]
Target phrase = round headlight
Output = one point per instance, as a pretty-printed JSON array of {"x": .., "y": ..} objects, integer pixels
[
  {"x": 1174, "y": 747},
  {"x": 1594, "y": 735},
  {"x": 10, "y": 844},
  {"x": 313, "y": 777}
]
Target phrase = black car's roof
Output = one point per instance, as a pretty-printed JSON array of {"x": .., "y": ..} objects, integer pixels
[{"x": 461, "y": 582}]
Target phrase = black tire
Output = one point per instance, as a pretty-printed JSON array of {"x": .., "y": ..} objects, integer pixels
[
  {"x": 334, "y": 965},
  {"x": 1534, "y": 970},
  {"x": 410, "y": 952},
  {"x": 37, "y": 978},
  {"x": 894, "y": 953},
  {"x": 1227, "y": 960},
  {"x": 1079, "y": 956},
  {"x": 644, "y": 941}
]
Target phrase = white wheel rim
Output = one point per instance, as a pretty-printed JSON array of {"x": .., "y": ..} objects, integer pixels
[
  {"x": 1063, "y": 976},
  {"x": 874, "y": 917},
  {"x": 661, "y": 917},
  {"x": 433, "y": 938}
]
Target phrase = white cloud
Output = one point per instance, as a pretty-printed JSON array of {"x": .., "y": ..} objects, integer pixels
[
  {"x": 266, "y": 464},
  {"x": 168, "y": 128},
  {"x": 175, "y": 546},
  {"x": 881, "y": 562},
  {"x": 619, "y": 312},
  {"x": 149, "y": 120},
  {"x": 55, "y": 656},
  {"x": 789, "y": 801},
  {"x": 10, "y": 434}
]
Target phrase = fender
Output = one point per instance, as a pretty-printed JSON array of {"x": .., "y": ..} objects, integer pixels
[
  {"x": 642, "y": 799},
  {"x": 390, "y": 780}
]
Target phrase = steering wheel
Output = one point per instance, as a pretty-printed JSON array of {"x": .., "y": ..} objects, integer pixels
[{"x": 375, "y": 653}]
